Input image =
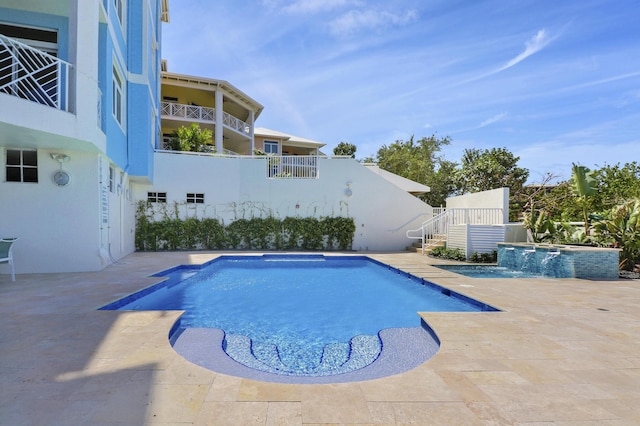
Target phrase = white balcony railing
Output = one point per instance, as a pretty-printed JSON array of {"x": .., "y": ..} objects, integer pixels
[
  {"x": 292, "y": 167},
  {"x": 31, "y": 74},
  {"x": 204, "y": 115}
]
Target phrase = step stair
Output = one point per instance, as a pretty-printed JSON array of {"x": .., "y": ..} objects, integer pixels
[
  {"x": 337, "y": 358},
  {"x": 431, "y": 243}
]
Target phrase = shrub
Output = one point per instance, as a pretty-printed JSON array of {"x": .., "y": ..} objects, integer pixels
[
  {"x": 447, "y": 253},
  {"x": 484, "y": 257},
  {"x": 291, "y": 233}
]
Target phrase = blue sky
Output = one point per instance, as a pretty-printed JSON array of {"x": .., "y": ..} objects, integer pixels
[{"x": 555, "y": 82}]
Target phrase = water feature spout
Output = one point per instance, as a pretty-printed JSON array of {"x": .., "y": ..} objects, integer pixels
[
  {"x": 529, "y": 261},
  {"x": 550, "y": 264},
  {"x": 508, "y": 259}
]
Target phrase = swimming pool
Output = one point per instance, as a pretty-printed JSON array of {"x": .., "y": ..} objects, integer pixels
[{"x": 297, "y": 315}]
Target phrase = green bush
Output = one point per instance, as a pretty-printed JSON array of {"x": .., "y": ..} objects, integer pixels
[
  {"x": 290, "y": 233},
  {"x": 446, "y": 253},
  {"x": 484, "y": 257}
]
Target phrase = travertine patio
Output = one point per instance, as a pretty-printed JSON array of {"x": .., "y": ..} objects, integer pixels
[{"x": 563, "y": 352}]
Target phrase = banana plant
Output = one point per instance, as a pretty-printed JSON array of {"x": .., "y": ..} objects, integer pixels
[
  {"x": 584, "y": 186},
  {"x": 539, "y": 226},
  {"x": 622, "y": 227}
]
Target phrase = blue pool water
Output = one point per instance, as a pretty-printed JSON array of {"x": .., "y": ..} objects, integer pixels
[
  {"x": 488, "y": 271},
  {"x": 307, "y": 315}
]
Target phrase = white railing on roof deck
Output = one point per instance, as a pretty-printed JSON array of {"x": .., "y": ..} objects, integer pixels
[
  {"x": 166, "y": 148},
  {"x": 203, "y": 114},
  {"x": 34, "y": 75},
  {"x": 292, "y": 167},
  {"x": 436, "y": 228}
]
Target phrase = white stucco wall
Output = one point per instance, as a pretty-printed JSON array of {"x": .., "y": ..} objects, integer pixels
[
  {"x": 54, "y": 224},
  {"x": 238, "y": 188},
  {"x": 495, "y": 198},
  {"x": 60, "y": 229}
]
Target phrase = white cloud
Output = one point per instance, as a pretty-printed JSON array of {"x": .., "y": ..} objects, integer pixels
[
  {"x": 356, "y": 20},
  {"x": 534, "y": 45},
  {"x": 314, "y": 6},
  {"x": 493, "y": 119}
]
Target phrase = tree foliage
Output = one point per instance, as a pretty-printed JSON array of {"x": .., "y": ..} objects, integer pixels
[
  {"x": 616, "y": 184},
  {"x": 419, "y": 161},
  {"x": 192, "y": 138},
  {"x": 441, "y": 183},
  {"x": 483, "y": 170},
  {"x": 345, "y": 148},
  {"x": 621, "y": 227}
]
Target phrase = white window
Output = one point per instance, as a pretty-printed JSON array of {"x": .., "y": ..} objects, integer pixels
[
  {"x": 270, "y": 147},
  {"x": 117, "y": 100}
]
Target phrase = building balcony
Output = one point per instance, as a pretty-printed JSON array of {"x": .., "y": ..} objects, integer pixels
[
  {"x": 236, "y": 134},
  {"x": 36, "y": 76},
  {"x": 199, "y": 114},
  {"x": 40, "y": 104}
]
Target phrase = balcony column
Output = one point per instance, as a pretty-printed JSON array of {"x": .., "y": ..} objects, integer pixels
[
  {"x": 218, "y": 127},
  {"x": 250, "y": 122}
]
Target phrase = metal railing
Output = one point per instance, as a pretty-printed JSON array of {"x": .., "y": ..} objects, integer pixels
[
  {"x": 166, "y": 148},
  {"x": 292, "y": 166},
  {"x": 435, "y": 229},
  {"x": 34, "y": 75},
  {"x": 203, "y": 114}
]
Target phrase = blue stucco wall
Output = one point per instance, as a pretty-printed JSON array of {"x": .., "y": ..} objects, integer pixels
[{"x": 54, "y": 22}]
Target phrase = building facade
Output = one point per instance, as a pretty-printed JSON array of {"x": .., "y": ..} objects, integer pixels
[
  {"x": 79, "y": 95},
  {"x": 86, "y": 108}
]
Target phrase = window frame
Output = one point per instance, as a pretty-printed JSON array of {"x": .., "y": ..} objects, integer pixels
[
  {"x": 118, "y": 95},
  {"x": 195, "y": 198},
  {"x": 271, "y": 144},
  {"x": 21, "y": 166},
  {"x": 119, "y": 6},
  {"x": 156, "y": 197}
]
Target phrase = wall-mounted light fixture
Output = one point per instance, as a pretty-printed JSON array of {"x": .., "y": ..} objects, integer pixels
[
  {"x": 60, "y": 178},
  {"x": 348, "y": 192},
  {"x": 61, "y": 158}
]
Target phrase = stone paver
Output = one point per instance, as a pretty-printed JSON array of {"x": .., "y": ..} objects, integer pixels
[{"x": 561, "y": 352}]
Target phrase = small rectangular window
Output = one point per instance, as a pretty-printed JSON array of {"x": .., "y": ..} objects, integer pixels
[
  {"x": 22, "y": 166},
  {"x": 195, "y": 198},
  {"x": 270, "y": 147},
  {"x": 157, "y": 197}
]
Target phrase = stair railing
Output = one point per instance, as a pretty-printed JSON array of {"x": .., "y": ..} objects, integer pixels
[
  {"x": 435, "y": 229},
  {"x": 431, "y": 231}
]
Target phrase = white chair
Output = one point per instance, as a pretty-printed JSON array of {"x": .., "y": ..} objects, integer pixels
[{"x": 6, "y": 256}]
